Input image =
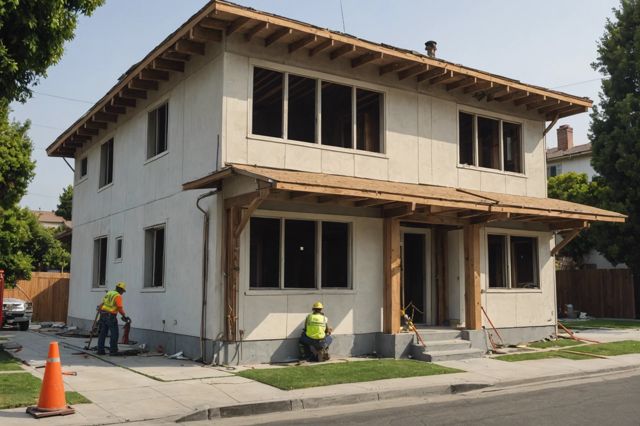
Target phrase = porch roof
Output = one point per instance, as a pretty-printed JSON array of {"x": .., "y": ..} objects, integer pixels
[{"x": 429, "y": 203}]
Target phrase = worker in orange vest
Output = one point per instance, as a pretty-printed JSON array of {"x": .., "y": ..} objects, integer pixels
[{"x": 109, "y": 308}]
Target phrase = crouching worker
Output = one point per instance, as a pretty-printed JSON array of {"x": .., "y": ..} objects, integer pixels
[
  {"x": 316, "y": 336},
  {"x": 108, "y": 324}
]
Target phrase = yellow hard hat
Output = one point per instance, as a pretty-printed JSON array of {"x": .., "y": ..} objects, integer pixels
[
  {"x": 122, "y": 285},
  {"x": 318, "y": 305}
]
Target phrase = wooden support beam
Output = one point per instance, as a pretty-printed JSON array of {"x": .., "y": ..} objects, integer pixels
[
  {"x": 253, "y": 31},
  {"x": 214, "y": 24},
  {"x": 236, "y": 25},
  {"x": 514, "y": 94},
  {"x": 392, "y": 276},
  {"x": 402, "y": 211},
  {"x": 566, "y": 239},
  {"x": 440, "y": 257},
  {"x": 115, "y": 109},
  {"x": 154, "y": 75},
  {"x": 490, "y": 217},
  {"x": 95, "y": 125},
  {"x": 231, "y": 273},
  {"x": 136, "y": 83},
  {"x": 83, "y": 131},
  {"x": 201, "y": 34},
  {"x": 168, "y": 65},
  {"x": 565, "y": 111},
  {"x": 326, "y": 44},
  {"x": 300, "y": 43},
  {"x": 189, "y": 47},
  {"x": 461, "y": 84},
  {"x": 301, "y": 195},
  {"x": 105, "y": 117},
  {"x": 435, "y": 220},
  {"x": 341, "y": 51},
  {"x": 247, "y": 211},
  {"x": 542, "y": 103},
  {"x": 473, "y": 320},
  {"x": 478, "y": 87},
  {"x": 365, "y": 59},
  {"x": 436, "y": 72},
  {"x": 176, "y": 56},
  {"x": 126, "y": 102},
  {"x": 277, "y": 35},
  {"x": 569, "y": 224},
  {"x": 411, "y": 71},
  {"x": 498, "y": 93},
  {"x": 372, "y": 202},
  {"x": 550, "y": 126},
  {"x": 393, "y": 66},
  {"x": 554, "y": 107},
  {"x": 444, "y": 78},
  {"x": 133, "y": 94},
  {"x": 529, "y": 100}
]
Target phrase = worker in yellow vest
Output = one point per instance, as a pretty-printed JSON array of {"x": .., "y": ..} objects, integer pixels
[
  {"x": 316, "y": 336},
  {"x": 109, "y": 308}
]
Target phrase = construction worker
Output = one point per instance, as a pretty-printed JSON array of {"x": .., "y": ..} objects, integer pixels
[
  {"x": 316, "y": 336},
  {"x": 109, "y": 308}
]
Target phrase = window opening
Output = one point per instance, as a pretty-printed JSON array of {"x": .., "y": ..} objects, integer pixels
[
  {"x": 299, "y": 254},
  {"x": 466, "y": 138},
  {"x": 368, "y": 120},
  {"x": 264, "y": 251},
  {"x": 335, "y": 254},
  {"x": 154, "y": 257},
  {"x": 488, "y": 143},
  {"x": 337, "y": 113},
  {"x": 106, "y": 163},
  {"x": 100, "y": 262},
  {"x": 268, "y": 98},
  {"x": 157, "y": 130},
  {"x": 301, "y": 124}
]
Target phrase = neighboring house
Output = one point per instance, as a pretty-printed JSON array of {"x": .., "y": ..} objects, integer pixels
[
  {"x": 330, "y": 168},
  {"x": 51, "y": 220},
  {"x": 568, "y": 157}
]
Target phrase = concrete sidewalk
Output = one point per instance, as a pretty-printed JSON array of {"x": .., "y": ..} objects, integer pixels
[{"x": 156, "y": 388}]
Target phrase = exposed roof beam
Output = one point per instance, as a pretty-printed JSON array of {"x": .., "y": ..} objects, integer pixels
[
  {"x": 543, "y": 103},
  {"x": 114, "y": 109},
  {"x": 177, "y": 56},
  {"x": 498, "y": 93},
  {"x": 167, "y": 65},
  {"x": 126, "y": 102},
  {"x": 326, "y": 44},
  {"x": 105, "y": 117},
  {"x": 478, "y": 87},
  {"x": 444, "y": 78},
  {"x": 529, "y": 100},
  {"x": 253, "y": 31},
  {"x": 214, "y": 24},
  {"x": 190, "y": 47},
  {"x": 341, "y": 51},
  {"x": 277, "y": 35},
  {"x": 236, "y": 25},
  {"x": 411, "y": 71},
  {"x": 566, "y": 112},
  {"x": 372, "y": 202},
  {"x": 365, "y": 59},
  {"x": 300, "y": 43},
  {"x": 393, "y": 66},
  {"x": 553, "y": 107},
  {"x": 149, "y": 74},
  {"x": 461, "y": 84},
  {"x": 436, "y": 72},
  {"x": 133, "y": 94},
  {"x": 136, "y": 83},
  {"x": 84, "y": 131},
  {"x": 202, "y": 34},
  {"x": 95, "y": 125}
]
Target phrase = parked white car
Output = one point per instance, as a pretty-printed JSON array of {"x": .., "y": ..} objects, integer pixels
[{"x": 16, "y": 312}]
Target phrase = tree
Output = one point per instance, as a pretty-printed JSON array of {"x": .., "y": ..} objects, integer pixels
[
  {"x": 32, "y": 37},
  {"x": 16, "y": 166},
  {"x": 66, "y": 201},
  {"x": 615, "y": 134}
]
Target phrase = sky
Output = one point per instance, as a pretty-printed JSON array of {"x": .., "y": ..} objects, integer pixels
[{"x": 548, "y": 43}]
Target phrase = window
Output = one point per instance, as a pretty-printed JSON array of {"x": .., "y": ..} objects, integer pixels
[
  {"x": 554, "y": 170},
  {"x": 513, "y": 261},
  {"x": 119, "y": 247},
  {"x": 83, "y": 167},
  {"x": 349, "y": 117},
  {"x": 490, "y": 143},
  {"x": 288, "y": 254},
  {"x": 154, "y": 257},
  {"x": 157, "y": 130},
  {"x": 100, "y": 262},
  {"x": 106, "y": 163}
]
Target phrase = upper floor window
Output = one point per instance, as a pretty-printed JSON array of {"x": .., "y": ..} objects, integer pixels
[
  {"x": 490, "y": 143},
  {"x": 83, "y": 167},
  {"x": 106, "y": 163},
  {"x": 157, "y": 130},
  {"x": 305, "y": 109},
  {"x": 100, "y": 262}
]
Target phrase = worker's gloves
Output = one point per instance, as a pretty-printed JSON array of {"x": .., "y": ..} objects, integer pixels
[{"x": 126, "y": 319}]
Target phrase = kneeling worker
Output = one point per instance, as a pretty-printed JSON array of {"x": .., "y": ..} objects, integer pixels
[
  {"x": 316, "y": 336},
  {"x": 109, "y": 309}
]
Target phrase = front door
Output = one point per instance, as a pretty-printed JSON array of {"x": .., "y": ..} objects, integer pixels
[{"x": 415, "y": 275}]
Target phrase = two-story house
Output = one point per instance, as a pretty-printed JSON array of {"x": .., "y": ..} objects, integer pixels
[{"x": 251, "y": 165}]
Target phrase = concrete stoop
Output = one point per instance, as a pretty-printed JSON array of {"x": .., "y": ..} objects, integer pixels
[{"x": 443, "y": 345}]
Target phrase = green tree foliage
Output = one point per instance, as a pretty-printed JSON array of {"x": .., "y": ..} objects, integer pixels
[
  {"x": 66, "y": 201},
  {"x": 577, "y": 188},
  {"x": 615, "y": 133},
  {"x": 16, "y": 166},
  {"x": 25, "y": 246},
  {"x": 32, "y": 37}
]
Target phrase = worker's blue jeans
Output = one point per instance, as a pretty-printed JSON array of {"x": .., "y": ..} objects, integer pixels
[
  {"x": 306, "y": 343},
  {"x": 108, "y": 324}
]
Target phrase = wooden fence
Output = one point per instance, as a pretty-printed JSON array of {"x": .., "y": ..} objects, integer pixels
[
  {"x": 601, "y": 293},
  {"x": 49, "y": 293}
]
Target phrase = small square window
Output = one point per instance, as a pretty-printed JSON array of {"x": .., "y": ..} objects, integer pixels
[
  {"x": 157, "y": 130},
  {"x": 119, "y": 249}
]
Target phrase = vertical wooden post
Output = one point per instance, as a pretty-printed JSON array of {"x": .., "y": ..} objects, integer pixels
[
  {"x": 232, "y": 269},
  {"x": 472, "y": 277},
  {"x": 392, "y": 276},
  {"x": 440, "y": 247}
]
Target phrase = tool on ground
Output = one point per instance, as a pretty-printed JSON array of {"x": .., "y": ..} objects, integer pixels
[
  {"x": 69, "y": 373},
  {"x": 492, "y": 326},
  {"x": 95, "y": 320},
  {"x": 52, "y": 400},
  {"x": 410, "y": 323},
  {"x": 573, "y": 336},
  {"x": 125, "y": 331}
]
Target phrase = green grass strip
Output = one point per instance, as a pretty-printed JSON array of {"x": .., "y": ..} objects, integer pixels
[
  {"x": 8, "y": 363},
  {"x": 601, "y": 323},
  {"x": 559, "y": 343},
  {"x": 23, "y": 389},
  {"x": 611, "y": 349},
  {"x": 541, "y": 355},
  {"x": 299, "y": 377}
]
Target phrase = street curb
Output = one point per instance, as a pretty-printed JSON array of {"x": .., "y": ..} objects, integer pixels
[{"x": 326, "y": 401}]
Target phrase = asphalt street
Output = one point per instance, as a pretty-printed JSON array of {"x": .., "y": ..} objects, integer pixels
[{"x": 613, "y": 402}]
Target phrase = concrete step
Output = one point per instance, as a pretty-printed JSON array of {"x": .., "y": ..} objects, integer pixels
[
  {"x": 437, "y": 356},
  {"x": 446, "y": 345},
  {"x": 431, "y": 334}
]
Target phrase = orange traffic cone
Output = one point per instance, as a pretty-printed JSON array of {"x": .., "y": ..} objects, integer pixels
[{"x": 52, "y": 401}]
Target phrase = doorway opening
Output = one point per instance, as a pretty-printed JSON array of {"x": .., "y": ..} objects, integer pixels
[{"x": 415, "y": 275}]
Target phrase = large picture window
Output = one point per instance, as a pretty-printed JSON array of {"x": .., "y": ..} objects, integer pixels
[
  {"x": 317, "y": 111},
  {"x": 490, "y": 143},
  {"x": 513, "y": 261},
  {"x": 298, "y": 254}
]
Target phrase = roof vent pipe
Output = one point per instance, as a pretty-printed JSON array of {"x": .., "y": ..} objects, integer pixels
[{"x": 431, "y": 47}]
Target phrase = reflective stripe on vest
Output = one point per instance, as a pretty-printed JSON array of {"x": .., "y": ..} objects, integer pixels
[
  {"x": 109, "y": 302},
  {"x": 316, "y": 326}
]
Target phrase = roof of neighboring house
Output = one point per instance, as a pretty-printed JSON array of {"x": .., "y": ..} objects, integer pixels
[
  {"x": 219, "y": 19},
  {"x": 575, "y": 151},
  {"x": 45, "y": 216}
]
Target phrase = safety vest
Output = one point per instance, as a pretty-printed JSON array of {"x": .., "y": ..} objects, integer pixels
[
  {"x": 316, "y": 326},
  {"x": 109, "y": 302}
]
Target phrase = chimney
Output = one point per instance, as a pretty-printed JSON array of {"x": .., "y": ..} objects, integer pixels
[
  {"x": 431, "y": 47},
  {"x": 565, "y": 137}
]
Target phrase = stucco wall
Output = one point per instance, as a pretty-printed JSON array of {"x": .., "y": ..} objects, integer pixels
[
  {"x": 581, "y": 164},
  {"x": 421, "y": 128}
]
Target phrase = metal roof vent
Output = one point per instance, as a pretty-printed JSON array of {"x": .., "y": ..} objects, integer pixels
[{"x": 431, "y": 47}]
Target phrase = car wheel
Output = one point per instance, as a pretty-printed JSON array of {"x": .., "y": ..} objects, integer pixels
[{"x": 24, "y": 326}]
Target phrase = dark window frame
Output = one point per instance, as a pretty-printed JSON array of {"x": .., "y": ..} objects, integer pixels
[
  {"x": 509, "y": 271},
  {"x": 84, "y": 167},
  {"x": 156, "y": 144},
  {"x": 100, "y": 256},
  {"x": 318, "y": 263},
  {"x": 107, "y": 150},
  {"x": 118, "y": 249},
  {"x": 150, "y": 260},
  {"x": 357, "y": 133}
]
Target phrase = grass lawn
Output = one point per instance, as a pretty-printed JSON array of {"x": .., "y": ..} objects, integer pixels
[
  {"x": 559, "y": 343},
  {"x": 8, "y": 363},
  {"x": 541, "y": 355},
  {"x": 605, "y": 349},
  {"x": 23, "y": 389},
  {"x": 308, "y": 376},
  {"x": 601, "y": 323}
]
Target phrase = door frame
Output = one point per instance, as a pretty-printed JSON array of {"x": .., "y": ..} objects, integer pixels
[{"x": 429, "y": 289}]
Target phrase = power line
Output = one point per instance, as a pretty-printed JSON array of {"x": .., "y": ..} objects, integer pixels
[
  {"x": 63, "y": 97},
  {"x": 578, "y": 82}
]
